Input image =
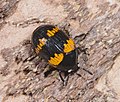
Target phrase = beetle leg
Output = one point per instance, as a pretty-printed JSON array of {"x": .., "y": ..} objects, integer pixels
[
  {"x": 67, "y": 32},
  {"x": 49, "y": 71},
  {"x": 61, "y": 77},
  {"x": 80, "y": 37},
  {"x": 80, "y": 49},
  {"x": 65, "y": 79},
  {"x": 31, "y": 57}
]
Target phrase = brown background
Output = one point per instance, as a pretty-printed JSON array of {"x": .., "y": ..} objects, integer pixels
[{"x": 22, "y": 79}]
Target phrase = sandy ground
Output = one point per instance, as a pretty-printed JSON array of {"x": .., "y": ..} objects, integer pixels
[{"x": 22, "y": 79}]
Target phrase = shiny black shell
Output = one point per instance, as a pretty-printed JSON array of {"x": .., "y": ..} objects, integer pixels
[{"x": 56, "y": 47}]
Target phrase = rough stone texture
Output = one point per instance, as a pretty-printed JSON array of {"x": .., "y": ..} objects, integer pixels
[
  {"x": 22, "y": 73},
  {"x": 109, "y": 83}
]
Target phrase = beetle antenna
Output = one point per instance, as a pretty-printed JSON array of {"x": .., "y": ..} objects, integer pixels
[{"x": 87, "y": 71}]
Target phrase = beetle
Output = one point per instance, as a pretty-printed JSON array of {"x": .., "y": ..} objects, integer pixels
[{"x": 56, "y": 47}]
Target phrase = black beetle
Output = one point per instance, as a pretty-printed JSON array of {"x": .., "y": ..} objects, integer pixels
[{"x": 56, "y": 47}]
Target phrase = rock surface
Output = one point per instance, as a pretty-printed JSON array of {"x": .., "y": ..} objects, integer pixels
[{"x": 22, "y": 75}]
